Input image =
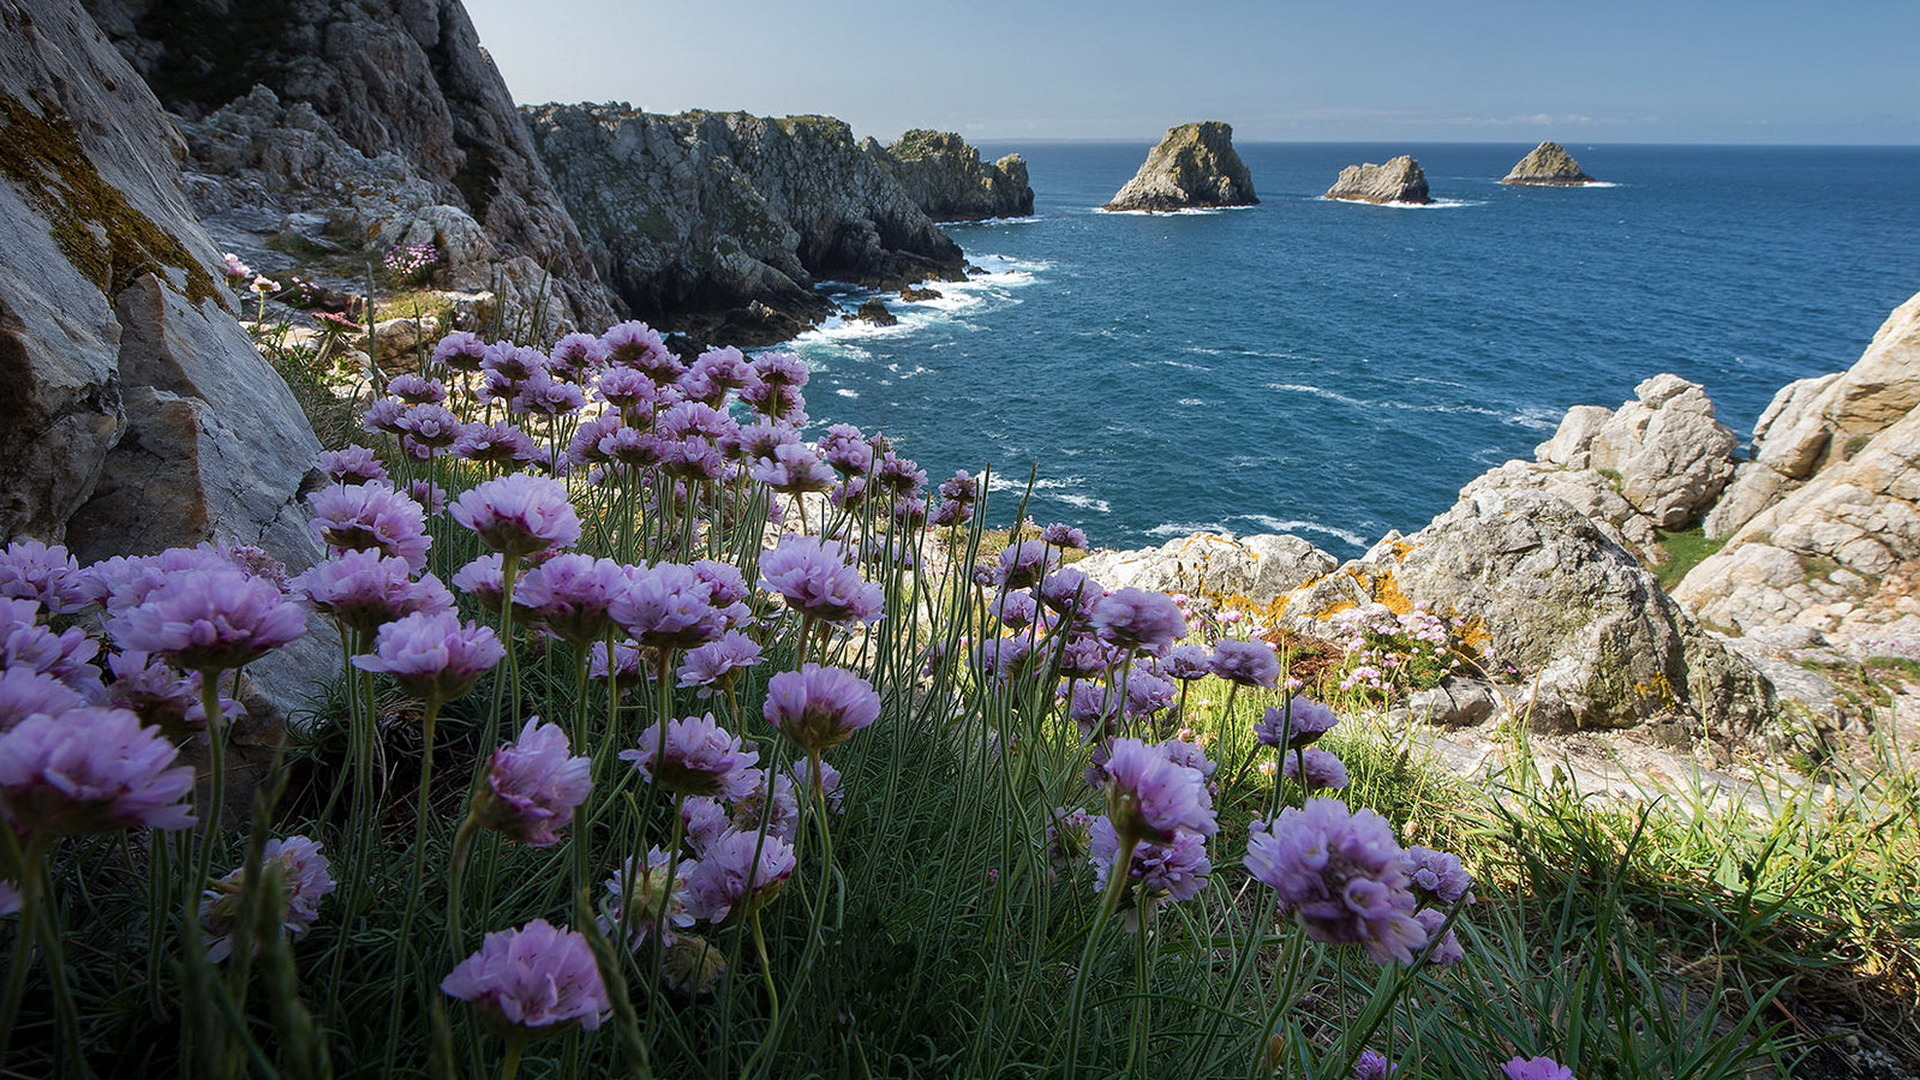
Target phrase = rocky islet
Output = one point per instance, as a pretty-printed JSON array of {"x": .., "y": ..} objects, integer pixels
[{"x": 1194, "y": 166}]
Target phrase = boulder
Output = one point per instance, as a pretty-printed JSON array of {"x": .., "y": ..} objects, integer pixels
[
  {"x": 1553, "y": 602},
  {"x": 1214, "y": 567},
  {"x": 1822, "y": 527},
  {"x": 1398, "y": 181},
  {"x": 138, "y": 414},
  {"x": 1456, "y": 702},
  {"x": 875, "y": 311},
  {"x": 1573, "y": 440},
  {"x": 946, "y": 179},
  {"x": 695, "y": 218},
  {"x": 403, "y": 83},
  {"x": 1670, "y": 455},
  {"x": 1547, "y": 165},
  {"x": 1193, "y": 166},
  {"x": 915, "y": 295}
]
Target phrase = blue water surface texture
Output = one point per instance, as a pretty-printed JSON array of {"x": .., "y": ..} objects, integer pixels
[{"x": 1337, "y": 370}]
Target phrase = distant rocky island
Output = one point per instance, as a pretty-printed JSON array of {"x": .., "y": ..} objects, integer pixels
[
  {"x": 1547, "y": 165},
  {"x": 945, "y": 177},
  {"x": 1398, "y": 181},
  {"x": 1194, "y": 166}
]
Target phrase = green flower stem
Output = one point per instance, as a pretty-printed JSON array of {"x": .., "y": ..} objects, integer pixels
[
  {"x": 416, "y": 880},
  {"x": 510, "y": 1064},
  {"x": 766, "y": 974},
  {"x": 1263, "y": 1037},
  {"x": 1116, "y": 884},
  {"x": 28, "y": 864},
  {"x": 456, "y": 882},
  {"x": 666, "y": 895},
  {"x": 582, "y": 837},
  {"x": 1142, "y": 1003}
]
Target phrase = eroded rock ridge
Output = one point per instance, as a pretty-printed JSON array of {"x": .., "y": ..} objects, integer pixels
[{"x": 1193, "y": 167}]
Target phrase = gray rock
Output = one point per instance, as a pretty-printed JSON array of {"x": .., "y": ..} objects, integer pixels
[
  {"x": 1456, "y": 702},
  {"x": 696, "y": 218},
  {"x": 946, "y": 179},
  {"x": 1828, "y": 538},
  {"x": 139, "y": 416},
  {"x": 1584, "y": 627},
  {"x": 1574, "y": 438},
  {"x": 1398, "y": 181},
  {"x": 1214, "y": 567},
  {"x": 404, "y": 83},
  {"x": 875, "y": 311},
  {"x": 1194, "y": 165},
  {"x": 1670, "y": 454},
  {"x": 1547, "y": 165}
]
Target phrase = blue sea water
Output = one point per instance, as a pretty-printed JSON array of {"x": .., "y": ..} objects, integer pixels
[{"x": 1337, "y": 370}]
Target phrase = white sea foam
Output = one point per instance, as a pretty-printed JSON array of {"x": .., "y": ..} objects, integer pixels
[
  {"x": 1437, "y": 204},
  {"x": 1006, "y": 483},
  {"x": 1186, "y": 210},
  {"x": 1320, "y": 392},
  {"x": 846, "y": 393},
  {"x": 1280, "y": 525},
  {"x": 1029, "y": 220},
  {"x": 1191, "y": 401},
  {"x": 1086, "y": 502},
  {"x": 1186, "y": 529}
]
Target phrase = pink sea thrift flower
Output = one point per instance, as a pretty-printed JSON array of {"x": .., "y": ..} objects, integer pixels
[
  {"x": 572, "y": 595},
  {"x": 1150, "y": 796},
  {"x": 24, "y": 691},
  {"x": 305, "y": 875},
  {"x": 728, "y": 877},
  {"x": 31, "y": 570},
  {"x": 519, "y": 514},
  {"x": 371, "y": 516},
  {"x": 1540, "y": 1068},
  {"x": 1139, "y": 620},
  {"x": 435, "y": 657},
  {"x": 636, "y": 895},
  {"x": 1324, "y": 770},
  {"x": 211, "y": 620},
  {"x": 540, "y": 978},
  {"x": 668, "y": 606},
  {"x": 1248, "y": 663},
  {"x": 534, "y": 785},
  {"x": 351, "y": 466},
  {"x": 815, "y": 579},
  {"x": 1340, "y": 871},
  {"x": 1175, "y": 871},
  {"x": 91, "y": 770},
  {"x": 366, "y": 590},
  {"x": 1300, "y": 723},
  {"x": 483, "y": 580},
  {"x": 819, "y": 707},
  {"x": 700, "y": 758},
  {"x": 715, "y": 665}
]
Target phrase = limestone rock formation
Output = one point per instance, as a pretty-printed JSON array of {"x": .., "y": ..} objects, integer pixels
[
  {"x": 138, "y": 415},
  {"x": 1822, "y": 527},
  {"x": 695, "y": 219},
  {"x": 1654, "y": 464},
  {"x": 1194, "y": 165},
  {"x": 405, "y": 85},
  {"x": 1547, "y": 165},
  {"x": 1592, "y": 639},
  {"x": 946, "y": 179},
  {"x": 1215, "y": 568},
  {"x": 1398, "y": 181},
  {"x": 875, "y": 311}
]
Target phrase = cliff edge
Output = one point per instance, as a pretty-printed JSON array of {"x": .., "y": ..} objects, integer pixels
[{"x": 943, "y": 174}]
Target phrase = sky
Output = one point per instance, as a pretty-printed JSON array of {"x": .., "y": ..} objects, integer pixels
[{"x": 1694, "y": 71}]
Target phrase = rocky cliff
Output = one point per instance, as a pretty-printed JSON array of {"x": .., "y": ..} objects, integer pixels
[
  {"x": 946, "y": 179},
  {"x": 1822, "y": 526},
  {"x": 1398, "y": 181},
  {"x": 137, "y": 414},
  {"x": 720, "y": 224},
  {"x": 1194, "y": 165},
  {"x": 382, "y": 122},
  {"x": 1547, "y": 165}
]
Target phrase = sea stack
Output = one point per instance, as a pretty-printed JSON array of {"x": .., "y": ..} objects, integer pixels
[
  {"x": 1548, "y": 165},
  {"x": 1194, "y": 166},
  {"x": 1398, "y": 181}
]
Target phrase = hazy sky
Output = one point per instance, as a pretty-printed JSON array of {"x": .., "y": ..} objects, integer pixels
[{"x": 1820, "y": 71}]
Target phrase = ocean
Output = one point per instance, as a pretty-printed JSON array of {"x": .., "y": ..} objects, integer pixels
[{"x": 1337, "y": 370}]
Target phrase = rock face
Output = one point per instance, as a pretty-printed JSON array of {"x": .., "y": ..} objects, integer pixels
[
  {"x": 946, "y": 179},
  {"x": 1592, "y": 639},
  {"x": 1398, "y": 181},
  {"x": 719, "y": 224},
  {"x": 138, "y": 415},
  {"x": 386, "y": 119},
  {"x": 1193, "y": 166},
  {"x": 1654, "y": 464},
  {"x": 1547, "y": 165},
  {"x": 1822, "y": 527},
  {"x": 1215, "y": 568}
]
